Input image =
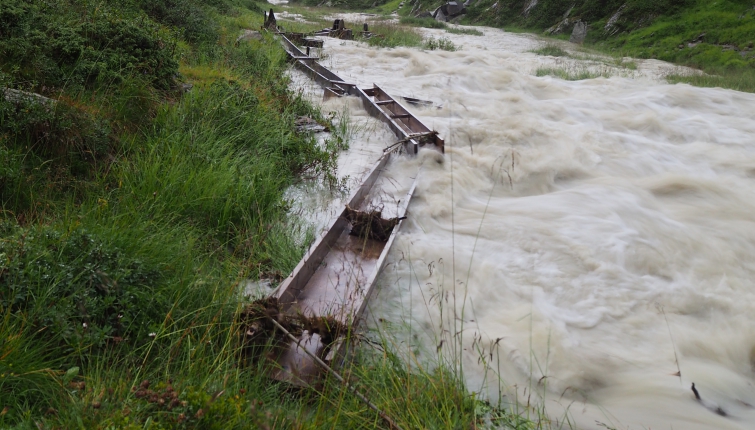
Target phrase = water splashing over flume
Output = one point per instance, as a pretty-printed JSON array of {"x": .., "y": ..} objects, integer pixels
[{"x": 602, "y": 233}]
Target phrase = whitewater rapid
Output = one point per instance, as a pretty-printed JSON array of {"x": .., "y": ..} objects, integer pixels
[{"x": 596, "y": 237}]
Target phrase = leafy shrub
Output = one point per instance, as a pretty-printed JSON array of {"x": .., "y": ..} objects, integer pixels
[
  {"x": 189, "y": 16},
  {"x": 51, "y": 142},
  {"x": 58, "y": 45},
  {"x": 442, "y": 43},
  {"x": 423, "y": 22},
  {"x": 75, "y": 288},
  {"x": 551, "y": 50}
]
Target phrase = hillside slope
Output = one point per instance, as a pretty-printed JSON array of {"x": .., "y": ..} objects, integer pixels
[{"x": 692, "y": 32}]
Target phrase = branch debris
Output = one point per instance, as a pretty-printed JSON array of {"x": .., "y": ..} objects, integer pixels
[{"x": 371, "y": 224}]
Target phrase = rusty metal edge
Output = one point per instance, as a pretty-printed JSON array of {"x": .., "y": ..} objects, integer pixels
[
  {"x": 287, "y": 291},
  {"x": 373, "y": 109},
  {"x": 339, "y": 352}
]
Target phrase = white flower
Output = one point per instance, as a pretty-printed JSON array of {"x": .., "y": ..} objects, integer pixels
[
  {"x": 85, "y": 325},
  {"x": 153, "y": 334}
]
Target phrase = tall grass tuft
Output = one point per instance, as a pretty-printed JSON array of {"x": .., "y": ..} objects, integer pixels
[
  {"x": 551, "y": 50},
  {"x": 393, "y": 35}
]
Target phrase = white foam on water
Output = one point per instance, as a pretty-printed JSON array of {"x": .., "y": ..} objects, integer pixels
[{"x": 598, "y": 229}]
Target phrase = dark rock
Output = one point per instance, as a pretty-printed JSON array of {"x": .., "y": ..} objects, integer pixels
[
  {"x": 454, "y": 8},
  {"x": 439, "y": 15},
  {"x": 270, "y": 22},
  {"x": 579, "y": 33},
  {"x": 449, "y": 10},
  {"x": 18, "y": 97}
]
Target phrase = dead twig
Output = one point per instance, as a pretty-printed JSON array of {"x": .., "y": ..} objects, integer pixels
[{"x": 370, "y": 224}]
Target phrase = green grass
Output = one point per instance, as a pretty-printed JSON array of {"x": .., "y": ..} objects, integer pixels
[
  {"x": 394, "y": 35},
  {"x": 665, "y": 30},
  {"x": 735, "y": 80},
  {"x": 551, "y": 50},
  {"x": 131, "y": 219},
  {"x": 422, "y": 22},
  {"x": 464, "y": 30},
  {"x": 570, "y": 74},
  {"x": 443, "y": 43}
]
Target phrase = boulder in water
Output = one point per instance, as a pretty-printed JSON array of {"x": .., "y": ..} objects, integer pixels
[{"x": 449, "y": 10}]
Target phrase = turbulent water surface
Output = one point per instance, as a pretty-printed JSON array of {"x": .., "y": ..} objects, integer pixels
[{"x": 596, "y": 237}]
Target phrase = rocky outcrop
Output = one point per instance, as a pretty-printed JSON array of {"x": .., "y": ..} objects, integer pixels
[
  {"x": 579, "y": 32},
  {"x": 19, "y": 97},
  {"x": 449, "y": 11},
  {"x": 528, "y": 6},
  {"x": 611, "y": 28},
  {"x": 565, "y": 24}
]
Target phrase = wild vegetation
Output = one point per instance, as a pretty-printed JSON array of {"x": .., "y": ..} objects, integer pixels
[
  {"x": 144, "y": 154},
  {"x": 715, "y": 37}
]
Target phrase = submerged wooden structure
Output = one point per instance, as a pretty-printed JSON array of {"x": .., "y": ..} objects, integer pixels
[{"x": 336, "y": 276}]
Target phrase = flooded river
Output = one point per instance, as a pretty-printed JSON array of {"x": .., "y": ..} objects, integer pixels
[{"x": 588, "y": 246}]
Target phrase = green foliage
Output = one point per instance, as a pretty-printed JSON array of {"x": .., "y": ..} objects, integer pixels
[
  {"x": 43, "y": 140},
  {"x": 635, "y": 13},
  {"x": 570, "y": 74},
  {"x": 219, "y": 163},
  {"x": 27, "y": 381},
  {"x": 67, "y": 44},
  {"x": 392, "y": 35},
  {"x": 344, "y": 4},
  {"x": 708, "y": 36},
  {"x": 716, "y": 37},
  {"x": 551, "y": 50},
  {"x": 464, "y": 30},
  {"x": 442, "y": 43},
  {"x": 75, "y": 289},
  {"x": 422, "y": 22},
  {"x": 190, "y": 16}
]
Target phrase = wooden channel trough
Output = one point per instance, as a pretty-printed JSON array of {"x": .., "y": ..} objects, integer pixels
[{"x": 338, "y": 272}]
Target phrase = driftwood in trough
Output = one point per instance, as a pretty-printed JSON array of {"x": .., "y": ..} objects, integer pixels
[
  {"x": 257, "y": 323},
  {"x": 370, "y": 224}
]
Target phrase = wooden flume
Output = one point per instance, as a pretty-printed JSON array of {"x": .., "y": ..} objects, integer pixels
[{"x": 337, "y": 274}]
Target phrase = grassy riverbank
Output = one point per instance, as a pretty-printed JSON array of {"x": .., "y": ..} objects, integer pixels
[
  {"x": 144, "y": 154},
  {"x": 716, "y": 38}
]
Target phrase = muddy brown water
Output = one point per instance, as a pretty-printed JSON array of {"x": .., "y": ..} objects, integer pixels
[{"x": 601, "y": 231}]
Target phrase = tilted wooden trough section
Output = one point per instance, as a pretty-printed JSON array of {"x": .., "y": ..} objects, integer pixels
[{"x": 338, "y": 272}]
